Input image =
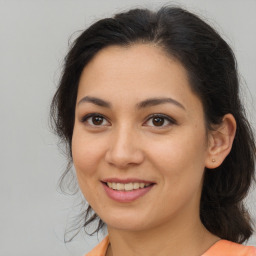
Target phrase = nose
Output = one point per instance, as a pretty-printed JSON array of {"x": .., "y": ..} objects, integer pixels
[{"x": 124, "y": 149}]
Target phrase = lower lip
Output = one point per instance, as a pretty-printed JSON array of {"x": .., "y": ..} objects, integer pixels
[{"x": 126, "y": 196}]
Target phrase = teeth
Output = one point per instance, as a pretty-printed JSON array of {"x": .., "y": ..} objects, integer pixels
[
  {"x": 114, "y": 185},
  {"x": 136, "y": 185},
  {"x": 119, "y": 186},
  {"x": 142, "y": 185},
  {"x": 126, "y": 186}
]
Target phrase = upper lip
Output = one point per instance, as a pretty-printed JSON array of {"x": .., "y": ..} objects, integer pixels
[{"x": 128, "y": 180}]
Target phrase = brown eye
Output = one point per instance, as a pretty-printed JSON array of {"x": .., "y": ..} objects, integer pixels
[
  {"x": 97, "y": 120},
  {"x": 158, "y": 121},
  {"x": 94, "y": 120}
]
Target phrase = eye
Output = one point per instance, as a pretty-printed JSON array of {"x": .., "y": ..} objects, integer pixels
[
  {"x": 160, "y": 120},
  {"x": 95, "y": 119}
]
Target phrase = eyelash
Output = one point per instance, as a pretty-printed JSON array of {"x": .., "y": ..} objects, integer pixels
[
  {"x": 165, "y": 118},
  {"x": 91, "y": 115},
  {"x": 169, "y": 119}
]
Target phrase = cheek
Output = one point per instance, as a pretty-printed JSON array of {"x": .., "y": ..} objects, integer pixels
[
  {"x": 85, "y": 154},
  {"x": 86, "y": 160},
  {"x": 181, "y": 167},
  {"x": 181, "y": 154}
]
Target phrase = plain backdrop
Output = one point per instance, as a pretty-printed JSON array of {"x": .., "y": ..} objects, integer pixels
[{"x": 34, "y": 39}]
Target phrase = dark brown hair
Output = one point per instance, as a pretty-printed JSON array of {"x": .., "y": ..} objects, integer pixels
[{"x": 212, "y": 70}]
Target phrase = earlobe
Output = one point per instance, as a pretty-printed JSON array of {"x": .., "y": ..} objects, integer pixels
[{"x": 220, "y": 141}]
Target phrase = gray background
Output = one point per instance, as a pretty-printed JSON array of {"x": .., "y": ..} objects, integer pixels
[{"x": 33, "y": 41}]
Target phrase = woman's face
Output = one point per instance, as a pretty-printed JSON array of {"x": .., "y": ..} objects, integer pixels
[{"x": 139, "y": 143}]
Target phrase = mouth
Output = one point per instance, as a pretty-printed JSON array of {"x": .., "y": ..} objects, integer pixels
[
  {"x": 127, "y": 186},
  {"x": 124, "y": 191}
]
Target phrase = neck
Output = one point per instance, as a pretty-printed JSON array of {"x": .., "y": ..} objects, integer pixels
[{"x": 190, "y": 238}]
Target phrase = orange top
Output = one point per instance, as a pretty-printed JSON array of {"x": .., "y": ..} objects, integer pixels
[
  {"x": 100, "y": 249},
  {"x": 220, "y": 248},
  {"x": 227, "y": 248}
]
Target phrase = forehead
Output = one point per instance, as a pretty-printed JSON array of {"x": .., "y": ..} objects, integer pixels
[
  {"x": 138, "y": 71},
  {"x": 132, "y": 58}
]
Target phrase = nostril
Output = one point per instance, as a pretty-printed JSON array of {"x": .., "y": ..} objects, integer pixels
[{"x": 124, "y": 157}]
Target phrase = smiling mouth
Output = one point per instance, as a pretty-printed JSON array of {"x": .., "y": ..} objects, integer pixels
[
  {"x": 127, "y": 186},
  {"x": 126, "y": 191}
]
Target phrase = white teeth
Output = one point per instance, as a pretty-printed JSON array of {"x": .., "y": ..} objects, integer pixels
[
  {"x": 136, "y": 185},
  {"x": 114, "y": 185},
  {"x": 120, "y": 186},
  {"x": 142, "y": 185},
  {"x": 127, "y": 186}
]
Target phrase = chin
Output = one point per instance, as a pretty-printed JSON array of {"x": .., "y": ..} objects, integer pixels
[
  {"x": 125, "y": 226},
  {"x": 126, "y": 223}
]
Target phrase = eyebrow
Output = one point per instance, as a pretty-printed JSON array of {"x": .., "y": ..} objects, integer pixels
[
  {"x": 157, "y": 101},
  {"x": 143, "y": 104},
  {"x": 96, "y": 101}
]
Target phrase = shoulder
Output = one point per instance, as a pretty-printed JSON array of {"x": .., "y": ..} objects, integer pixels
[
  {"x": 227, "y": 248},
  {"x": 100, "y": 249}
]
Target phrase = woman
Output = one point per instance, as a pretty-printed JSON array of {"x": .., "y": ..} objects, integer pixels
[{"x": 148, "y": 105}]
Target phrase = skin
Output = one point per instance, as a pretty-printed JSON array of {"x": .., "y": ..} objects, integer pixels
[{"x": 128, "y": 144}]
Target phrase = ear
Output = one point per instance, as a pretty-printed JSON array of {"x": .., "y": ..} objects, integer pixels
[{"x": 220, "y": 141}]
